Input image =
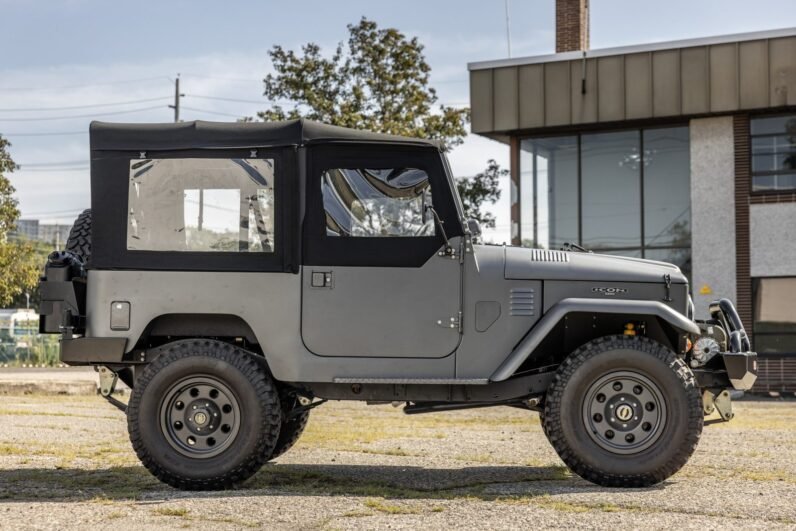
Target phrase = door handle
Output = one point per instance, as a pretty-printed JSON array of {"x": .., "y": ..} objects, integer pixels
[{"x": 321, "y": 279}]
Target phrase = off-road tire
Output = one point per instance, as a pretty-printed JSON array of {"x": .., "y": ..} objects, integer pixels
[
  {"x": 79, "y": 240},
  {"x": 292, "y": 427},
  {"x": 260, "y": 415},
  {"x": 565, "y": 421}
]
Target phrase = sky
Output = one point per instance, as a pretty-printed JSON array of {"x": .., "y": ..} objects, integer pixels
[{"x": 67, "y": 62}]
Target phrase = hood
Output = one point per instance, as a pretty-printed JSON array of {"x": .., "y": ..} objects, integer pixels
[{"x": 522, "y": 264}]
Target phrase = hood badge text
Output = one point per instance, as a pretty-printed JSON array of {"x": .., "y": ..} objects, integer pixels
[{"x": 609, "y": 292}]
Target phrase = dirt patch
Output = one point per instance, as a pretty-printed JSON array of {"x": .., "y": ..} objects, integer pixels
[{"x": 66, "y": 462}]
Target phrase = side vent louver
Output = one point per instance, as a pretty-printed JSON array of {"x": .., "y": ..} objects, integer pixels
[
  {"x": 521, "y": 301},
  {"x": 543, "y": 255}
]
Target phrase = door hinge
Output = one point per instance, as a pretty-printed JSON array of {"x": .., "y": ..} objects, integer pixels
[
  {"x": 449, "y": 252},
  {"x": 453, "y": 322}
]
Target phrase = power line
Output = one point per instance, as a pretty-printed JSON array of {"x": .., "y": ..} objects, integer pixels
[
  {"x": 61, "y": 163},
  {"x": 52, "y": 212},
  {"x": 39, "y": 119},
  {"x": 48, "y": 134},
  {"x": 39, "y": 109},
  {"x": 238, "y": 100},
  {"x": 212, "y": 112},
  {"x": 65, "y": 87},
  {"x": 81, "y": 168},
  {"x": 236, "y": 79}
]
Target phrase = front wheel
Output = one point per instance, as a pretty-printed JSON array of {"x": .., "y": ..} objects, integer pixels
[
  {"x": 623, "y": 412},
  {"x": 204, "y": 415}
]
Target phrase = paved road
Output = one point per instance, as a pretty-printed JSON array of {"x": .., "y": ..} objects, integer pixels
[
  {"x": 81, "y": 374},
  {"x": 66, "y": 463}
]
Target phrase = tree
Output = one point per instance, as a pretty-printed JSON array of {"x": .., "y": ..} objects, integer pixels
[
  {"x": 483, "y": 187},
  {"x": 17, "y": 259},
  {"x": 378, "y": 82}
]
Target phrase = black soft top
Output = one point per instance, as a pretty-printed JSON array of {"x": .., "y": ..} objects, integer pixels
[{"x": 219, "y": 135}]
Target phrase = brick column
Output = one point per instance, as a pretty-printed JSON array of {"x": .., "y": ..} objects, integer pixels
[
  {"x": 743, "y": 300},
  {"x": 572, "y": 25},
  {"x": 514, "y": 163}
]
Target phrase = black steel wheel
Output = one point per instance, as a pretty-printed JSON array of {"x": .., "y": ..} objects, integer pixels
[
  {"x": 204, "y": 415},
  {"x": 623, "y": 411},
  {"x": 200, "y": 416}
]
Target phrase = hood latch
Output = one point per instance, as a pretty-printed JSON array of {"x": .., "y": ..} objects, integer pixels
[{"x": 667, "y": 279}]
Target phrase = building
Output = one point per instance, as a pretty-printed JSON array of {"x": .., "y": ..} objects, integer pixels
[
  {"x": 681, "y": 151},
  {"x": 27, "y": 228},
  {"x": 54, "y": 234}
]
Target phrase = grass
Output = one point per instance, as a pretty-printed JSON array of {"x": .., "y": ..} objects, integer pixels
[
  {"x": 239, "y": 522},
  {"x": 546, "y": 501},
  {"x": 340, "y": 432},
  {"x": 43, "y": 413},
  {"x": 171, "y": 511},
  {"x": 357, "y": 514},
  {"x": 388, "y": 508}
]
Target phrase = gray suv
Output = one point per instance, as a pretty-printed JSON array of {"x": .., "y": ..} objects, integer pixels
[{"x": 236, "y": 276}]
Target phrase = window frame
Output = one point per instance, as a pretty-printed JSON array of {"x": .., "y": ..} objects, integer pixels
[
  {"x": 755, "y": 281},
  {"x": 752, "y": 172},
  {"x": 319, "y": 249},
  {"x": 577, "y": 135},
  {"x": 110, "y": 203}
]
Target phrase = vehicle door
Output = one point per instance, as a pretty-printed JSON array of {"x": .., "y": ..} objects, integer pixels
[{"x": 377, "y": 280}]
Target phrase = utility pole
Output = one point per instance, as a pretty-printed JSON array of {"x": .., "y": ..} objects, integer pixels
[
  {"x": 177, "y": 96},
  {"x": 508, "y": 28}
]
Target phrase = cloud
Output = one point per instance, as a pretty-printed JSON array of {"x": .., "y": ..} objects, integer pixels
[{"x": 53, "y": 194}]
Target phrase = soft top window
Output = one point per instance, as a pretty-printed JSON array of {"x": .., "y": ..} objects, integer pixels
[
  {"x": 201, "y": 204},
  {"x": 377, "y": 202}
]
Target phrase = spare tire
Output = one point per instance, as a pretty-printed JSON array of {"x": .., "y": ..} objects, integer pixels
[{"x": 79, "y": 241}]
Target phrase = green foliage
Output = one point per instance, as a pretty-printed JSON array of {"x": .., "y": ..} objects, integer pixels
[
  {"x": 17, "y": 259},
  {"x": 378, "y": 82},
  {"x": 483, "y": 187},
  {"x": 40, "y": 252},
  {"x": 34, "y": 349}
]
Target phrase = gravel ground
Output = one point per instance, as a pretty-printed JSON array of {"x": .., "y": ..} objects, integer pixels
[{"x": 66, "y": 462}]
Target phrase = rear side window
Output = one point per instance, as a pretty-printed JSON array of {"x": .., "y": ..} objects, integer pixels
[
  {"x": 201, "y": 204},
  {"x": 361, "y": 202}
]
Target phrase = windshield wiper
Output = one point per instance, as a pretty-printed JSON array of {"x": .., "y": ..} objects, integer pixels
[{"x": 569, "y": 246}]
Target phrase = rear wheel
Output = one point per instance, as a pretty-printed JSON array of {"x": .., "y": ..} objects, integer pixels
[
  {"x": 292, "y": 424},
  {"x": 79, "y": 240},
  {"x": 204, "y": 415},
  {"x": 623, "y": 412}
]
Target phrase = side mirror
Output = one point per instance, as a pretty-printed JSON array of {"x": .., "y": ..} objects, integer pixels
[{"x": 474, "y": 228}]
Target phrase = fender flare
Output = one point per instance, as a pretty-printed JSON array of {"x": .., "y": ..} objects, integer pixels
[{"x": 546, "y": 324}]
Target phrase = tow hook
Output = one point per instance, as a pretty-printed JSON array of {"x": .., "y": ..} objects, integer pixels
[
  {"x": 107, "y": 385},
  {"x": 721, "y": 402}
]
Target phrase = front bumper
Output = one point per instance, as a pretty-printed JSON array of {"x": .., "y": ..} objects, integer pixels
[
  {"x": 741, "y": 369},
  {"x": 727, "y": 361}
]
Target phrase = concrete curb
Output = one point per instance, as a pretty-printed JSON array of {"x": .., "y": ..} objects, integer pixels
[{"x": 48, "y": 388}]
